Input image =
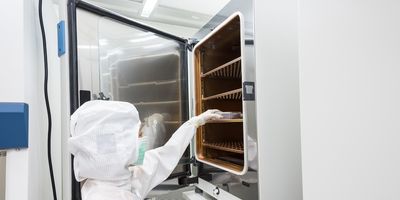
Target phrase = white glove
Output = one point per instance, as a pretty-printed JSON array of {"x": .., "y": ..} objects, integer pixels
[{"x": 205, "y": 117}]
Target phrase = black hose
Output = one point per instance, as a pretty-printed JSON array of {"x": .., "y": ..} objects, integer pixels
[{"x": 46, "y": 98}]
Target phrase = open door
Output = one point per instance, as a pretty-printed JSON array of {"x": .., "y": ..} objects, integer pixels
[
  {"x": 219, "y": 68},
  {"x": 115, "y": 58}
]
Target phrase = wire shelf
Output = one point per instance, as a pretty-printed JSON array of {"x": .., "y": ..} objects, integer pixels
[
  {"x": 225, "y": 121},
  {"x": 231, "y": 69},
  {"x": 235, "y": 147},
  {"x": 231, "y": 95},
  {"x": 150, "y": 83},
  {"x": 156, "y": 103}
]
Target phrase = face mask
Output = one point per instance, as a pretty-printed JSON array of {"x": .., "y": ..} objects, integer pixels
[{"x": 142, "y": 150}]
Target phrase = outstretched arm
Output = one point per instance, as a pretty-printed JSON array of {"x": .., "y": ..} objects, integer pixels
[{"x": 159, "y": 163}]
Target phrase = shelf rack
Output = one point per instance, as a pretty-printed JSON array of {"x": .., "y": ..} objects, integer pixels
[
  {"x": 225, "y": 121},
  {"x": 231, "y": 95},
  {"x": 231, "y": 69},
  {"x": 155, "y": 103},
  {"x": 234, "y": 147},
  {"x": 150, "y": 83}
]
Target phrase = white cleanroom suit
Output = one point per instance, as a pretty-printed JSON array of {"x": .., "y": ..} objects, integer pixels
[{"x": 104, "y": 141}]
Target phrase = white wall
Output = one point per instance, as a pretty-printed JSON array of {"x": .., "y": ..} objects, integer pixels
[
  {"x": 50, "y": 17},
  {"x": 22, "y": 81},
  {"x": 65, "y": 108},
  {"x": 350, "y": 99},
  {"x": 12, "y": 86},
  {"x": 277, "y": 90}
]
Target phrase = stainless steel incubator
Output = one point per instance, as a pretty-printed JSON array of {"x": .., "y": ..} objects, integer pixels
[{"x": 117, "y": 58}]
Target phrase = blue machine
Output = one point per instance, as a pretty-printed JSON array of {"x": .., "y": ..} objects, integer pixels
[{"x": 14, "y": 125}]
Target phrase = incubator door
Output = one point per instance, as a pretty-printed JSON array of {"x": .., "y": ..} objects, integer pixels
[{"x": 123, "y": 62}]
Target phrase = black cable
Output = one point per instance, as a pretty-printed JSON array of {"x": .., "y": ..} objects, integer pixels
[{"x": 46, "y": 97}]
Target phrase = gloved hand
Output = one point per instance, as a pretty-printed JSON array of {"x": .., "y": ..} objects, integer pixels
[{"x": 205, "y": 117}]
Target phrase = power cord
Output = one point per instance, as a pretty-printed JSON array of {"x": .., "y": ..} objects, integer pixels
[{"x": 46, "y": 97}]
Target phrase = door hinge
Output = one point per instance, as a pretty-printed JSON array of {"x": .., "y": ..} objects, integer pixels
[
  {"x": 191, "y": 42},
  {"x": 193, "y": 161},
  {"x": 187, "y": 161},
  {"x": 193, "y": 180},
  {"x": 188, "y": 180}
]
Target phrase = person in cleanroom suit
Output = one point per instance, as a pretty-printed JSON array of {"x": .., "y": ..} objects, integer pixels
[{"x": 105, "y": 142}]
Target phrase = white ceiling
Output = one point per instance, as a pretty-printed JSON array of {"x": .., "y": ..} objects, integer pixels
[
  {"x": 208, "y": 7},
  {"x": 179, "y": 17}
]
